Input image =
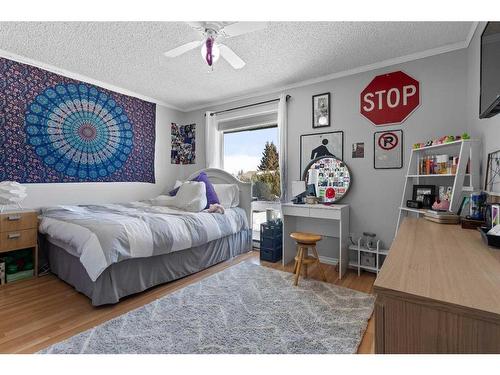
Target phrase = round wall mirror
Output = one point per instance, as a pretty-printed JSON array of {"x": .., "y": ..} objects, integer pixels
[{"x": 330, "y": 177}]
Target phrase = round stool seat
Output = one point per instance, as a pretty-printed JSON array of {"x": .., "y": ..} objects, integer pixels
[{"x": 305, "y": 238}]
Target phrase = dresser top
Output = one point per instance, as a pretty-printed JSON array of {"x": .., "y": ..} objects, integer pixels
[
  {"x": 444, "y": 263},
  {"x": 19, "y": 211}
]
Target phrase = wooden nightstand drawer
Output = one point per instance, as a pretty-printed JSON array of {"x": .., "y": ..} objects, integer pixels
[
  {"x": 20, "y": 239},
  {"x": 12, "y": 221}
]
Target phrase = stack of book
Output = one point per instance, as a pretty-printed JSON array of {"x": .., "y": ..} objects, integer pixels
[{"x": 442, "y": 217}]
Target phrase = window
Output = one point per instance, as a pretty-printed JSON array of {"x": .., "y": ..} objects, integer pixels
[{"x": 252, "y": 155}]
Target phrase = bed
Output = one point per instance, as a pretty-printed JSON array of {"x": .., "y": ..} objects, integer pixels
[{"x": 111, "y": 251}]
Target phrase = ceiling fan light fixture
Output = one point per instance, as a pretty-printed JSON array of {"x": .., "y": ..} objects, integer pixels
[{"x": 210, "y": 46}]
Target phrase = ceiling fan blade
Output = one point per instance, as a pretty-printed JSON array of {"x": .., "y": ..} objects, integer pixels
[
  {"x": 198, "y": 26},
  {"x": 183, "y": 49},
  {"x": 232, "y": 58},
  {"x": 239, "y": 28}
]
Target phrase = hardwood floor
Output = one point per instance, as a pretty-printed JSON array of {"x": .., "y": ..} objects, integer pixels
[{"x": 40, "y": 312}]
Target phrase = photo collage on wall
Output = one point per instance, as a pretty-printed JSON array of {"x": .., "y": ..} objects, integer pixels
[
  {"x": 183, "y": 144},
  {"x": 331, "y": 179}
]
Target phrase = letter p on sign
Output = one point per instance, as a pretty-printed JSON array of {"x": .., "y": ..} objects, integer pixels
[{"x": 390, "y": 98}]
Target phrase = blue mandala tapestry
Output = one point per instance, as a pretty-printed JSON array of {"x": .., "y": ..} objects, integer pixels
[{"x": 56, "y": 129}]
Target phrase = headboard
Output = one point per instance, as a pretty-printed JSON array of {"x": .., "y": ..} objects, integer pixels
[{"x": 219, "y": 176}]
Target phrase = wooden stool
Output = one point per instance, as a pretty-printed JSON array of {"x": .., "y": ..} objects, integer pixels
[{"x": 306, "y": 241}]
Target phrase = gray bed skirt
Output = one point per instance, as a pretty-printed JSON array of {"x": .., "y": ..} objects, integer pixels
[{"x": 136, "y": 275}]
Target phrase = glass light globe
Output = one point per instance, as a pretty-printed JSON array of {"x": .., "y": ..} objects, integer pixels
[{"x": 215, "y": 52}]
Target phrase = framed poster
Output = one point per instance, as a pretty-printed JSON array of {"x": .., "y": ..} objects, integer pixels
[
  {"x": 321, "y": 110},
  {"x": 492, "y": 180},
  {"x": 388, "y": 149},
  {"x": 313, "y": 146},
  {"x": 183, "y": 150}
]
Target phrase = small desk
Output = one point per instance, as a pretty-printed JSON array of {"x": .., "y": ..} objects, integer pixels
[{"x": 328, "y": 221}]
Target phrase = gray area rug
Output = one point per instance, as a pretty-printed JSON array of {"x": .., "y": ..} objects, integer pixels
[{"x": 246, "y": 308}]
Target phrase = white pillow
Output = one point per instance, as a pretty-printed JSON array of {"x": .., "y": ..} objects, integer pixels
[
  {"x": 228, "y": 194},
  {"x": 192, "y": 197}
]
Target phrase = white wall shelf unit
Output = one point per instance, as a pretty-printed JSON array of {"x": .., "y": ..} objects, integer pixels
[
  {"x": 359, "y": 249},
  {"x": 467, "y": 151}
]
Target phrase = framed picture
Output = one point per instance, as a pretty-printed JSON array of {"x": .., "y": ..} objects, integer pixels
[
  {"x": 419, "y": 191},
  {"x": 312, "y": 146},
  {"x": 388, "y": 149},
  {"x": 321, "y": 110},
  {"x": 492, "y": 179},
  {"x": 358, "y": 150}
]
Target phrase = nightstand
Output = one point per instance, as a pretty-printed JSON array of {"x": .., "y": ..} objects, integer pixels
[{"x": 19, "y": 231}]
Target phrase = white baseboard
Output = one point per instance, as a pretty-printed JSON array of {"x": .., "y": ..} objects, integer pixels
[{"x": 328, "y": 260}]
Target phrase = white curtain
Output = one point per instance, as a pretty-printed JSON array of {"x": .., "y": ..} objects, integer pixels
[
  {"x": 213, "y": 142},
  {"x": 282, "y": 130}
]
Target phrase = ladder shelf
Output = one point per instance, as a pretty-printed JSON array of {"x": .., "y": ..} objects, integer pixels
[{"x": 467, "y": 151}]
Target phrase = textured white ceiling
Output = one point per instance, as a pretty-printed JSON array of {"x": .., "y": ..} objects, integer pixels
[{"x": 129, "y": 54}]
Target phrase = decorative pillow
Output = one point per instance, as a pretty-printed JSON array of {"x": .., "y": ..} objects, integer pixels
[
  {"x": 191, "y": 196},
  {"x": 228, "y": 194},
  {"x": 211, "y": 194},
  {"x": 176, "y": 188}
]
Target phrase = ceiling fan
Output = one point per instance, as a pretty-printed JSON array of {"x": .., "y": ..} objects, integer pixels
[{"x": 213, "y": 33}]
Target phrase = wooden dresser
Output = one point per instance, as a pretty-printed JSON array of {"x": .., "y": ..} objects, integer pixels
[
  {"x": 19, "y": 230},
  {"x": 438, "y": 292}
]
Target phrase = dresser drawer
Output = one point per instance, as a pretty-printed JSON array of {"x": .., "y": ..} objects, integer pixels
[
  {"x": 20, "y": 239},
  {"x": 295, "y": 211},
  {"x": 12, "y": 221},
  {"x": 325, "y": 213}
]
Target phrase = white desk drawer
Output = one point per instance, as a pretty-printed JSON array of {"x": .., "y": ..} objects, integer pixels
[
  {"x": 295, "y": 211},
  {"x": 325, "y": 213}
]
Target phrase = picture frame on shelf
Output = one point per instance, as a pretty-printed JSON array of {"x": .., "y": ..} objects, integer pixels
[
  {"x": 420, "y": 191},
  {"x": 321, "y": 110},
  {"x": 315, "y": 145}
]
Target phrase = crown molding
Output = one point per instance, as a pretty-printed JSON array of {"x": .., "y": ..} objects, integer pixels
[
  {"x": 472, "y": 31},
  {"x": 80, "y": 77},
  {"x": 365, "y": 68}
]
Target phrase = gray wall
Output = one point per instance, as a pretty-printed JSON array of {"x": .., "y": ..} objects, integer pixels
[
  {"x": 375, "y": 194},
  {"x": 487, "y": 130}
]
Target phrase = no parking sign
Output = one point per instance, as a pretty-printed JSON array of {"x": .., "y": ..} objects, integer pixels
[{"x": 388, "y": 149}]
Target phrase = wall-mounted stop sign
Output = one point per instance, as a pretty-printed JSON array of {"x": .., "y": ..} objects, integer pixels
[{"x": 390, "y": 98}]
